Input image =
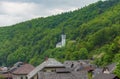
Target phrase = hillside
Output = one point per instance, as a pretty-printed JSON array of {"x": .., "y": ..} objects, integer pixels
[{"x": 92, "y": 32}]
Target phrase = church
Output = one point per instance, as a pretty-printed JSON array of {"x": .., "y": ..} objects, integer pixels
[{"x": 63, "y": 41}]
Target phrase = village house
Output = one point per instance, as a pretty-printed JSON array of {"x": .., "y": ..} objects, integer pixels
[
  {"x": 18, "y": 71},
  {"x": 6, "y": 73},
  {"x": 105, "y": 73},
  {"x": 22, "y": 71},
  {"x": 52, "y": 69}
]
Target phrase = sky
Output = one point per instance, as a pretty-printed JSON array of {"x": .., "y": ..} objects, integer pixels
[{"x": 15, "y": 11}]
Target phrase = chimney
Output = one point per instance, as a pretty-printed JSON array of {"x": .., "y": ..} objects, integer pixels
[{"x": 46, "y": 58}]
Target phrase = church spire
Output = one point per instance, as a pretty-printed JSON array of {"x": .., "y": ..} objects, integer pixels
[
  {"x": 63, "y": 30},
  {"x": 63, "y": 39}
]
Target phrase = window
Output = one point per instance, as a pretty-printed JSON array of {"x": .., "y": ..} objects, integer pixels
[
  {"x": 53, "y": 70},
  {"x": 21, "y": 77},
  {"x": 44, "y": 70}
]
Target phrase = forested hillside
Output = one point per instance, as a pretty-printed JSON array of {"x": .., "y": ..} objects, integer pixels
[{"x": 92, "y": 32}]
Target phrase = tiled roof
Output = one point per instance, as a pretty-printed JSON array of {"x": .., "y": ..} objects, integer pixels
[
  {"x": 16, "y": 65},
  {"x": 111, "y": 67},
  {"x": 48, "y": 63},
  {"x": 72, "y": 75},
  {"x": 104, "y": 76},
  {"x": 23, "y": 69},
  {"x": 97, "y": 71},
  {"x": 78, "y": 65},
  {"x": 62, "y": 70}
]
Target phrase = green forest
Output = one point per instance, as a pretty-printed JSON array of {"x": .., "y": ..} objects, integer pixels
[{"x": 92, "y": 32}]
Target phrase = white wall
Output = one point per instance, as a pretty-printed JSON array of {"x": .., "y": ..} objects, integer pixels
[{"x": 63, "y": 40}]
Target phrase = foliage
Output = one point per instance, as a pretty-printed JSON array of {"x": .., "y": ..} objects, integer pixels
[
  {"x": 117, "y": 70},
  {"x": 1, "y": 77}
]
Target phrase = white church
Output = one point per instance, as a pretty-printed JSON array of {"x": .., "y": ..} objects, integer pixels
[{"x": 62, "y": 43}]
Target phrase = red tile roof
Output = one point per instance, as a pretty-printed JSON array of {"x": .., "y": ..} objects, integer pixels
[{"x": 24, "y": 69}]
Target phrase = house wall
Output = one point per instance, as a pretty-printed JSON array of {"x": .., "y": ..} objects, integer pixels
[
  {"x": 19, "y": 76},
  {"x": 35, "y": 77}
]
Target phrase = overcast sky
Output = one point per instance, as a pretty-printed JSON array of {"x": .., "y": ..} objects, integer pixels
[{"x": 15, "y": 11}]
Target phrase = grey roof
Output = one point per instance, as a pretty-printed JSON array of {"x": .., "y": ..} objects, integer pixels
[
  {"x": 97, "y": 71},
  {"x": 16, "y": 65},
  {"x": 104, "y": 76},
  {"x": 78, "y": 65},
  {"x": 85, "y": 61},
  {"x": 62, "y": 70},
  {"x": 111, "y": 67},
  {"x": 48, "y": 63},
  {"x": 69, "y": 63},
  {"x": 72, "y": 75}
]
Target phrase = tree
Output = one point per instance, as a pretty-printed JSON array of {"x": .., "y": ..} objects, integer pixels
[{"x": 117, "y": 70}]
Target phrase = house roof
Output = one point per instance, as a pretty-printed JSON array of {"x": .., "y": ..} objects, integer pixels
[
  {"x": 97, "y": 71},
  {"x": 16, "y": 65},
  {"x": 111, "y": 67},
  {"x": 23, "y": 69},
  {"x": 104, "y": 76},
  {"x": 62, "y": 70},
  {"x": 79, "y": 65},
  {"x": 48, "y": 63},
  {"x": 85, "y": 63},
  {"x": 64, "y": 75}
]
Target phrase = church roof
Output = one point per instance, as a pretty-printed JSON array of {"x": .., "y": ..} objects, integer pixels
[{"x": 50, "y": 62}]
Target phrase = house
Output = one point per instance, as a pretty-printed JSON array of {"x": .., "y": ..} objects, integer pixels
[
  {"x": 105, "y": 73},
  {"x": 22, "y": 71},
  {"x": 108, "y": 69},
  {"x": 49, "y": 65},
  {"x": 52, "y": 69}
]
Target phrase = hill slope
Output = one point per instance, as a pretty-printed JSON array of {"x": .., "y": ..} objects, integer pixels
[{"x": 92, "y": 32}]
